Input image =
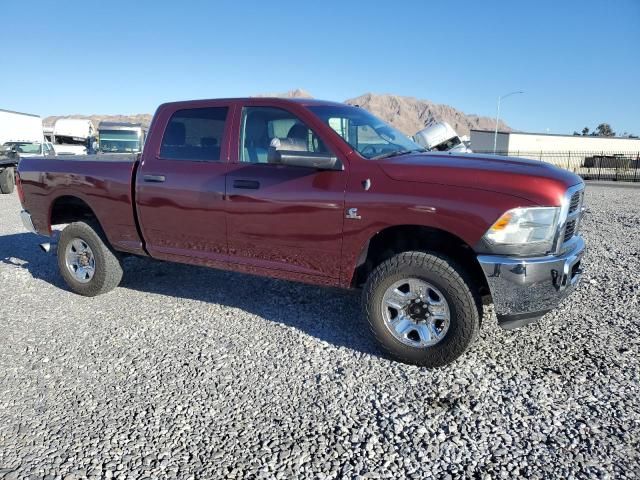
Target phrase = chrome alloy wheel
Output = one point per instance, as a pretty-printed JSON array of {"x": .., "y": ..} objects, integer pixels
[
  {"x": 415, "y": 312},
  {"x": 79, "y": 260}
]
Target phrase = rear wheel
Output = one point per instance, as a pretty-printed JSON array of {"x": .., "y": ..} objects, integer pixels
[
  {"x": 86, "y": 261},
  {"x": 421, "y": 308},
  {"x": 7, "y": 180}
]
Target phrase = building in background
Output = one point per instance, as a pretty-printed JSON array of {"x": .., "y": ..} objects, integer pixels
[
  {"x": 510, "y": 143},
  {"x": 592, "y": 157}
]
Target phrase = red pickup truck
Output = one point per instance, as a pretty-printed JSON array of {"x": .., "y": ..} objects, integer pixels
[{"x": 328, "y": 194}]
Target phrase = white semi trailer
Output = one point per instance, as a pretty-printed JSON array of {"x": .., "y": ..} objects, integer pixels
[
  {"x": 20, "y": 135},
  {"x": 20, "y": 127}
]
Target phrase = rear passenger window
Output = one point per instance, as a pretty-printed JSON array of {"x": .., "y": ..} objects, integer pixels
[{"x": 194, "y": 134}]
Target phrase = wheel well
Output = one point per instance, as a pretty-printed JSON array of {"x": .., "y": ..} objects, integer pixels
[
  {"x": 69, "y": 209},
  {"x": 405, "y": 238}
]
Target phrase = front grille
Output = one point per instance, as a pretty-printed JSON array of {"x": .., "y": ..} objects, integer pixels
[
  {"x": 569, "y": 230},
  {"x": 575, "y": 202},
  {"x": 573, "y": 215}
]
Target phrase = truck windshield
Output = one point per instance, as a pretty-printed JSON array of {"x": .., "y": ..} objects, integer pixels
[
  {"x": 25, "y": 147},
  {"x": 64, "y": 140},
  {"x": 370, "y": 136},
  {"x": 448, "y": 144},
  {"x": 119, "y": 141}
]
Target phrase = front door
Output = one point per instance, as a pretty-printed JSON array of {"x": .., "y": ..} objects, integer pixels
[{"x": 283, "y": 217}]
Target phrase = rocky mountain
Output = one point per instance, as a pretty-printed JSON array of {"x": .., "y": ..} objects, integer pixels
[
  {"x": 408, "y": 114},
  {"x": 296, "y": 93}
]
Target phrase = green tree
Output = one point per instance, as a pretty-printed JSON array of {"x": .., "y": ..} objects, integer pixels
[
  {"x": 604, "y": 130},
  {"x": 585, "y": 131}
]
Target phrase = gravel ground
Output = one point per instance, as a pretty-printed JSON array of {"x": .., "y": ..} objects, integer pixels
[{"x": 193, "y": 373}]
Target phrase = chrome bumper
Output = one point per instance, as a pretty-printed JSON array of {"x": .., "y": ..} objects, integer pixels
[
  {"x": 26, "y": 221},
  {"x": 524, "y": 289}
]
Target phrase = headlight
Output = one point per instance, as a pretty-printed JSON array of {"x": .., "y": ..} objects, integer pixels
[{"x": 533, "y": 228}]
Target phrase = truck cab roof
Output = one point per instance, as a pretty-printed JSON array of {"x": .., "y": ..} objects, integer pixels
[
  {"x": 118, "y": 125},
  {"x": 280, "y": 100}
]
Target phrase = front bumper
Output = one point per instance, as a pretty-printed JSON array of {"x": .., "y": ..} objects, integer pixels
[{"x": 524, "y": 289}]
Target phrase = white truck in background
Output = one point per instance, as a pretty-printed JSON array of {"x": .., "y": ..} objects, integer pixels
[
  {"x": 20, "y": 127},
  {"x": 21, "y": 135},
  {"x": 73, "y": 136},
  {"x": 441, "y": 137},
  {"x": 48, "y": 133},
  {"x": 120, "y": 137}
]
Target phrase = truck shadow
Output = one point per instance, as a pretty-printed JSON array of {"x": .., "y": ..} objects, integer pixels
[
  {"x": 330, "y": 315},
  {"x": 23, "y": 250}
]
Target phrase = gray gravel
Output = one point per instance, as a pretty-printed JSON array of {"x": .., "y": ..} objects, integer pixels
[{"x": 193, "y": 373}]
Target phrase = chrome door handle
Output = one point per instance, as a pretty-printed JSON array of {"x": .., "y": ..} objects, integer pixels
[
  {"x": 154, "y": 178},
  {"x": 251, "y": 184}
]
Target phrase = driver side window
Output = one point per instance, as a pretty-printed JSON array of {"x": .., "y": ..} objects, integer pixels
[{"x": 261, "y": 126}]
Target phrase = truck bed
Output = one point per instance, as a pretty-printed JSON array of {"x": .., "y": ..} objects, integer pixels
[
  {"x": 99, "y": 157},
  {"x": 102, "y": 183}
]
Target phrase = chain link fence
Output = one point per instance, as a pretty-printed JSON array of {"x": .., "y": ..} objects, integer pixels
[{"x": 615, "y": 166}]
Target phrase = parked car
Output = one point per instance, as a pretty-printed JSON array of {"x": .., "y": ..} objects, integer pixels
[
  {"x": 328, "y": 194},
  {"x": 32, "y": 149}
]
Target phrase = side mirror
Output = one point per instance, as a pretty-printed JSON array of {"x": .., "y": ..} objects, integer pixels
[{"x": 287, "y": 152}]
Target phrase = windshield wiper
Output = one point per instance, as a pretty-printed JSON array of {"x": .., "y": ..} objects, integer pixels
[{"x": 397, "y": 153}]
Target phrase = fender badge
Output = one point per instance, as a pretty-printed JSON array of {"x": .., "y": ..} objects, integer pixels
[{"x": 352, "y": 213}]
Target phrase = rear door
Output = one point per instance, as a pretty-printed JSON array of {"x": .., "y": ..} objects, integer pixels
[
  {"x": 181, "y": 183},
  {"x": 283, "y": 217}
]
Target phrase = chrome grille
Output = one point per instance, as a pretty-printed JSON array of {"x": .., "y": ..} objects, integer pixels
[
  {"x": 574, "y": 212},
  {"x": 574, "y": 204},
  {"x": 569, "y": 230}
]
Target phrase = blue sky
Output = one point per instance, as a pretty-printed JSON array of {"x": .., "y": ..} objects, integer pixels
[{"x": 577, "y": 61}]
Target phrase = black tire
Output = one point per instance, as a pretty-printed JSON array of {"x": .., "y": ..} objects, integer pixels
[
  {"x": 464, "y": 306},
  {"x": 7, "y": 180},
  {"x": 108, "y": 269}
]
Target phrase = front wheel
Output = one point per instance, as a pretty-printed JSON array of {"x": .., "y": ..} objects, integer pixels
[
  {"x": 87, "y": 263},
  {"x": 421, "y": 309}
]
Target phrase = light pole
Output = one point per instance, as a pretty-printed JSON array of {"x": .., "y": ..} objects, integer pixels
[{"x": 495, "y": 135}]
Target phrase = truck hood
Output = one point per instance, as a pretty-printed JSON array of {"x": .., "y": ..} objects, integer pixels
[{"x": 538, "y": 182}]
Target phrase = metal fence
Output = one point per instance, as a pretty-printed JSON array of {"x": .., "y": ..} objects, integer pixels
[{"x": 616, "y": 166}]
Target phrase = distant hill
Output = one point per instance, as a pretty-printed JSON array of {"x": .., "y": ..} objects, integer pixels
[
  {"x": 408, "y": 114},
  {"x": 296, "y": 93}
]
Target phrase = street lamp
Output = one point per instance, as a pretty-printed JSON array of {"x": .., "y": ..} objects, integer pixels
[{"x": 495, "y": 135}]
